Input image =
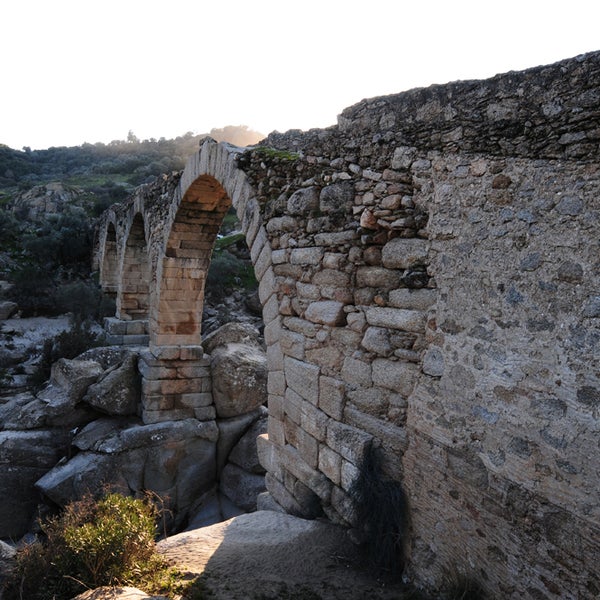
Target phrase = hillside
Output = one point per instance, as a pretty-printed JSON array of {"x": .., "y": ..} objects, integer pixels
[{"x": 108, "y": 171}]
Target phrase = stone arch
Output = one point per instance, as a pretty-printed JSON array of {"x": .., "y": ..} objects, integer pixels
[
  {"x": 109, "y": 263},
  {"x": 133, "y": 296},
  {"x": 210, "y": 185}
]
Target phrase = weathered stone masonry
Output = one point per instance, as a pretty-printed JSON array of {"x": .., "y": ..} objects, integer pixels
[{"x": 429, "y": 274}]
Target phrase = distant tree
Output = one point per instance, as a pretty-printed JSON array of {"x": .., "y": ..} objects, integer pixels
[
  {"x": 132, "y": 138},
  {"x": 9, "y": 228}
]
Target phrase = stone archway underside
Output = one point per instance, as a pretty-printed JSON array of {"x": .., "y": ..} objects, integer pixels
[
  {"x": 133, "y": 294},
  {"x": 186, "y": 261}
]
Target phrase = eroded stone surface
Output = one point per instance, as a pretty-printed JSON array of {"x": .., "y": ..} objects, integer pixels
[{"x": 239, "y": 376}]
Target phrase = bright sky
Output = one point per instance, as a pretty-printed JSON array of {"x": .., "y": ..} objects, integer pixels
[{"x": 77, "y": 71}]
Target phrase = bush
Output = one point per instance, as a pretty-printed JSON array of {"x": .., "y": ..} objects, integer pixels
[
  {"x": 84, "y": 300},
  {"x": 227, "y": 272},
  {"x": 91, "y": 544},
  {"x": 9, "y": 229},
  {"x": 32, "y": 289},
  {"x": 36, "y": 292},
  {"x": 61, "y": 240}
]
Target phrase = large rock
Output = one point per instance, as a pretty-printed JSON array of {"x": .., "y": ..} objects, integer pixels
[
  {"x": 212, "y": 508},
  {"x": 231, "y": 431},
  {"x": 24, "y": 457},
  {"x": 7, "y": 309},
  {"x": 245, "y": 454},
  {"x": 7, "y": 561},
  {"x": 85, "y": 473},
  {"x": 94, "y": 433},
  {"x": 270, "y": 552},
  {"x": 108, "y": 356},
  {"x": 24, "y": 411},
  {"x": 241, "y": 487},
  {"x": 230, "y": 333},
  {"x": 176, "y": 460},
  {"x": 117, "y": 391},
  {"x": 52, "y": 198},
  {"x": 239, "y": 379},
  {"x": 12, "y": 411},
  {"x": 75, "y": 376},
  {"x": 117, "y": 593}
]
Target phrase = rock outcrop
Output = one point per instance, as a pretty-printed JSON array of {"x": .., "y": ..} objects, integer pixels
[
  {"x": 84, "y": 433},
  {"x": 43, "y": 200},
  {"x": 7, "y": 309}
]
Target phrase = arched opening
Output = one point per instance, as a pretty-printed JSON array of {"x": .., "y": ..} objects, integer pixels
[
  {"x": 132, "y": 301},
  {"x": 186, "y": 261},
  {"x": 109, "y": 271},
  {"x": 231, "y": 288}
]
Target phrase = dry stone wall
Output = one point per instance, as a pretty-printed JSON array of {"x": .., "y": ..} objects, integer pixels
[{"x": 429, "y": 275}]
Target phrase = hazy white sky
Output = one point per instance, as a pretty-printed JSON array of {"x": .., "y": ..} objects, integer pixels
[{"x": 77, "y": 71}]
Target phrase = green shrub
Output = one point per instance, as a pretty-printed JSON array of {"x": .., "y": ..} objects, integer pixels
[
  {"x": 64, "y": 239},
  {"x": 32, "y": 289},
  {"x": 227, "y": 272},
  {"x": 9, "y": 229},
  {"x": 84, "y": 300},
  {"x": 91, "y": 544}
]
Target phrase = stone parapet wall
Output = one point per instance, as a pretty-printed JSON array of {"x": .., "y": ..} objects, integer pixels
[{"x": 549, "y": 112}]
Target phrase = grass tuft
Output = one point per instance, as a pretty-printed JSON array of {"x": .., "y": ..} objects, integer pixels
[{"x": 381, "y": 512}]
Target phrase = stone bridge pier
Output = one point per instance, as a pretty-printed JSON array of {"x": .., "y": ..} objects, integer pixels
[
  {"x": 428, "y": 274},
  {"x": 176, "y": 384}
]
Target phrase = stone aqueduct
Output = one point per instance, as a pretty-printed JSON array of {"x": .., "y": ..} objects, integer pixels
[{"x": 429, "y": 271}]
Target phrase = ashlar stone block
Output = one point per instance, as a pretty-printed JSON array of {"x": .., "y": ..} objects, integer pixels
[
  {"x": 396, "y": 318},
  {"x": 395, "y": 375},
  {"x": 349, "y": 442},
  {"x": 331, "y": 397},
  {"x": 303, "y": 378},
  {"x": 357, "y": 372},
  {"x": 313, "y": 479},
  {"x": 404, "y": 253},
  {"x": 326, "y": 312},
  {"x": 330, "y": 463}
]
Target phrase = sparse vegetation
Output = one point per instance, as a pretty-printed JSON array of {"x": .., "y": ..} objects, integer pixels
[
  {"x": 91, "y": 544},
  {"x": 461, "y": 587},
  {"x": 382, "y": 518},
  {"x": 272, "y": 153},
  {"x": 227, "y": 272}
]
